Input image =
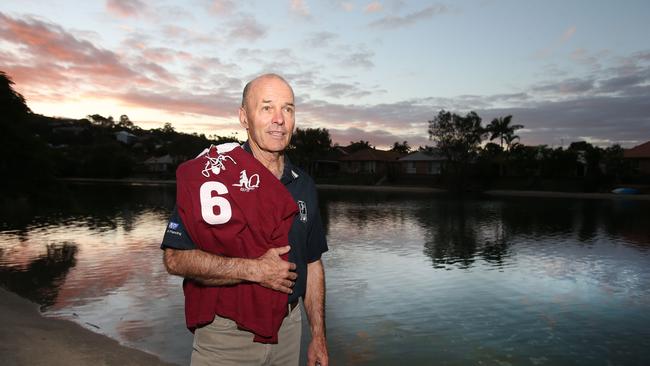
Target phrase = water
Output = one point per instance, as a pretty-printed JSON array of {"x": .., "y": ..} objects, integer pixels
[{"x": 413, "y": 279}]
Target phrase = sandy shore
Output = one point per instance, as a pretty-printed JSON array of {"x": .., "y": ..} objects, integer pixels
[{"x": 28, "y": 338}]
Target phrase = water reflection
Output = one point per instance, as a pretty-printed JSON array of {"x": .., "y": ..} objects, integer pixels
[
  {"x": 411, "y": 278},
  {"x": 38, "y": 279}
]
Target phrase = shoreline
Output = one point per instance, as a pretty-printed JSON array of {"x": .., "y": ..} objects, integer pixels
[
  {"x": 415, "y": 189},
  {"x": 29, "y": 338}
]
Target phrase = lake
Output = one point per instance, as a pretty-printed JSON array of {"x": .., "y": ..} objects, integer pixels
[{"x": 412, "y": 278}]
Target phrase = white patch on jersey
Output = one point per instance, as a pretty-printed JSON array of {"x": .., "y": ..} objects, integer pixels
[
  {"x": 302, "y": 206},
  {"x": 215, "y": 165},
  {"x": 246, "y": 183}
]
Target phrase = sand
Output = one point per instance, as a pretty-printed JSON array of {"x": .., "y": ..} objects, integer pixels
[{"x": 28, "y": 338}]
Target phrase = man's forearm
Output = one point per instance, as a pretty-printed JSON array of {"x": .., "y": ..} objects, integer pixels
[
  {"x": 208, "y": 269},
  {"x": 315, "y": 298}
]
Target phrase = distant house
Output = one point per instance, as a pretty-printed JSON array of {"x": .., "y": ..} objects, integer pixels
[
  {"x": 640, "y": 157},
  {"x": 421, "y": 163},
  {"x": 125, "y": 137},
  {"x": 161, "y": 164},
  {"x": 370, "y": 161}
]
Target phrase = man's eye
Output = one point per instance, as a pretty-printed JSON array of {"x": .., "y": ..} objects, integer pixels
[
  {"x": 288, "y": 109},
  {"x": 266, "y": 108}
]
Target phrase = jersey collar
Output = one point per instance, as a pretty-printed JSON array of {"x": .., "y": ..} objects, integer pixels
[{"x": 288, "y": 174}]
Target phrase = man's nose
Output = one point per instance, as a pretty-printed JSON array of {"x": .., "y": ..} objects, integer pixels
[{"x": 278, "y": 117}]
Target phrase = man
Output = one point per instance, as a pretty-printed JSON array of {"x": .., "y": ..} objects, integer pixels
[{"x": 268, "y": 115}]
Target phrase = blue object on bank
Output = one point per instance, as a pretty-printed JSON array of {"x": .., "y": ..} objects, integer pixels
[{"x": 625, "y": 190}]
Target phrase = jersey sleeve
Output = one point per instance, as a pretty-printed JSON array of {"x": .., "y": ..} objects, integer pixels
[
  {"x": 175, "y": 234},
  {"x": 316, "y": 240}
]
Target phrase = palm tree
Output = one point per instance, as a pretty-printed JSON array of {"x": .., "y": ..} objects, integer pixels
[{"x": 501, "y": 128}]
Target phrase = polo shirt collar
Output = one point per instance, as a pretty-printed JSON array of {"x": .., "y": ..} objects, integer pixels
[{"x": 288, "y": 174}]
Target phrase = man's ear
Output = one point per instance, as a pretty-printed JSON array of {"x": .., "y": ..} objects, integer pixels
[{"x": 243, "y": 118}]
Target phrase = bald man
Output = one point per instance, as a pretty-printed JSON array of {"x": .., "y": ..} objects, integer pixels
[{"x": 267, "y": 113}]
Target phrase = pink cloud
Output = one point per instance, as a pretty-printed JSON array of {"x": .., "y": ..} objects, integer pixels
[
  {"x": 299, "y": 7},
  {"x": 374, "y": 7},
  {"x": 568, "y": 33},
  {"x": 49, "y": 43},
  {"x": 215, "y": 104},
  {"x": 223, "y": 7},
  {"x": 125, "y": 8}
]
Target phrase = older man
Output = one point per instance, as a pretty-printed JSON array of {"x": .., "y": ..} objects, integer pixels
[{"x": 268, "y": 115}]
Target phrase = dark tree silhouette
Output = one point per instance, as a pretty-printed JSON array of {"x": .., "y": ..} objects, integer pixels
[
  {"x": 457, "y": 138},
  {"x": 403, "y": 148},
  {"x": 308, "y": 145},
  {"x": 500, "y": 128}
]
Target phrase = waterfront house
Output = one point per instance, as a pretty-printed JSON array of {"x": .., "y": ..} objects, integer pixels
[
  {"x": 640, "y": 157},
  {"x": 421, "y": 163},
  {"x": 162, "y": 164},
  {"x": 370, "y": 161}
]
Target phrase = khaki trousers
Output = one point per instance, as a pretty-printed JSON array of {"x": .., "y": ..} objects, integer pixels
[{"x": 222, "y": 343}]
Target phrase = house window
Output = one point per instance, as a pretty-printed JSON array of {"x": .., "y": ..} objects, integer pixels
[{"x": 410, "y": 167}]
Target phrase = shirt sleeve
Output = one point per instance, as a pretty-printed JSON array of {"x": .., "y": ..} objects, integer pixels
[
  {"x": 175, "y": 235},
  {"x": 316, "y": 240}
]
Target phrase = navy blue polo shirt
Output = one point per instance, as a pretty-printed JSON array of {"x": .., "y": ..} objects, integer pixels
[{"x": 306, "y": 237}]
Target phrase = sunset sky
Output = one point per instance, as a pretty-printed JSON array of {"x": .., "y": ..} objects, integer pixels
[{"x": 374, "y": 70}]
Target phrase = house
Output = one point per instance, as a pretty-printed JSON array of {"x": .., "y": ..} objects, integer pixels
[
  {"x": 640, "y": 157},
  {"x": 370, "y": 161},
  {"x": 125, "y": 137},
  {"x": 159, "y": 164},
  {"x": 421, "y": 163}
]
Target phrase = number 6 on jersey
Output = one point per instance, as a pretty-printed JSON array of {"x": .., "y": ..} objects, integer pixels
[{"x": 208, "y": 202}]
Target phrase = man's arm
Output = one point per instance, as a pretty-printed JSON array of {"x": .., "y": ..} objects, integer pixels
[
  {"x": 269, "y": 270},
  {"x": 315, "y": 306}
]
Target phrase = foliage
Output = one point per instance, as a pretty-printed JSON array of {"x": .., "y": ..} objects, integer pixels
[
  {"x": 457, "y": 138},
  {"x": 308, "y": 145},
  {"x": 402, "y": 148},
  {"x": 500, "y": 128},
  {"x": 358, "y": 145}
]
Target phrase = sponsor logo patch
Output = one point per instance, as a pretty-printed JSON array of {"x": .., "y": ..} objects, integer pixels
[
  {"x": 246, "y": 183},
  {"x": 302, "y": 207}
]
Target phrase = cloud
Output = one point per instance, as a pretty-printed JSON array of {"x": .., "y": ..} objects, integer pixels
[
  {"x": 347, "y": 6},
  {"x": 125, "y": 8},
  {"x": 394, "y": 21},
  {"x": 344, "y": 90},
  {"x": 568, "y": 33},
  {"x": 359, "y": 58},
  {"x": 223, "y": 7},
  {"x": 246, "y": 28},
  {"x": 46, "y": 43},
  {"x": 299, "y": 7},
  {"x": 570, "y": 86},
  {"x": 320, "y": 39},
  {"x": 549, "y": 50},
  {"x": 177, "y": 102},
  {"x": 374, "y": 7}
]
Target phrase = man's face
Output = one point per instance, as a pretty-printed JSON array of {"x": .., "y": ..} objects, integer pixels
[{"x": 269, "y": 114}]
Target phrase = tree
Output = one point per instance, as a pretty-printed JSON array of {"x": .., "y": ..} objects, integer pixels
[
  {"x": 358, "y": 145},
  {"x": 458, "y": 139},
  {"x": 99, "y": 120},
  {"x": 24, "y": 155},
  {"x": 13, "y": 103},
  {"x": 168, "y": 128},
  {"x": 125, "y": 122},
  {"x": 402, "y": 148},
  {"x": 500, "y": 128},
  {"x": 308, "y": 145}
]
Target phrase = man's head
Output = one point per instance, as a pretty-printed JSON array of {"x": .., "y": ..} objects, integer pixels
[{"x": 268, "y": 113}]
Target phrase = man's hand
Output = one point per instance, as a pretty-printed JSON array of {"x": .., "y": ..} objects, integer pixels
[
  {"x": 273, "y": 272},
  {"x": 317, "y": 352}
]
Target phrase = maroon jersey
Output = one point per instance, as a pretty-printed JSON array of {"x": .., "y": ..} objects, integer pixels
[{"x": 231, "y": 205}]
